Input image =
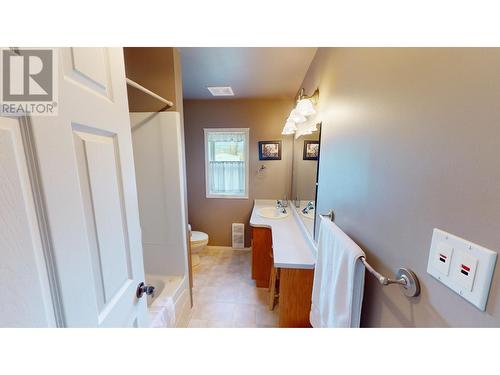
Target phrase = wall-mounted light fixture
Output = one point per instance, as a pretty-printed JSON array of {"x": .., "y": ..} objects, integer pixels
[
  {"x": 305, "y": 104},
  {"x": 303, "y": 109}
]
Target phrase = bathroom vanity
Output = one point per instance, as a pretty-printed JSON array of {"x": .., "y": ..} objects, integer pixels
[
  {"x": 283, "y": 243},
  {"x": 283, "y": 247}
]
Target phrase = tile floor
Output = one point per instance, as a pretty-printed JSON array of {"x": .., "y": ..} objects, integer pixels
[{"x": 224, "y": 294}]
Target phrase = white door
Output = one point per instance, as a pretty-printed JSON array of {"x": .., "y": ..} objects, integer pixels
[
  {"x": 87, "y": 176},
  {"x": 25, "y": 293}
]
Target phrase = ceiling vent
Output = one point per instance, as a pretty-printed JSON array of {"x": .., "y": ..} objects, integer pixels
[{"x": 221, "y": 90}]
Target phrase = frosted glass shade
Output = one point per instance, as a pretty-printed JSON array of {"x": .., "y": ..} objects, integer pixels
[
  {"x": 305, "y": 107},
  {"x": 296, "y": 117},
  {"x": 290, "y": 128},
  {"x": 290, "y": 125}
]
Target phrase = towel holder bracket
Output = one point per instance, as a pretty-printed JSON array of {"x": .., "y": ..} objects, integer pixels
[
  {"x": 411, "y": 286},
  {"x": 405, "y": 278},
  {"x": 330, "y": 215}
]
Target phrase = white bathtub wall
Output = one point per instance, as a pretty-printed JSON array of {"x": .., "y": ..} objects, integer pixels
[{"x": 159, "y": 163}]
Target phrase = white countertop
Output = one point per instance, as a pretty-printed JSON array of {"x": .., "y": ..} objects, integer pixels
[
  {"x": 306, "y": 221},
  {"x": 291, "y": 247}
]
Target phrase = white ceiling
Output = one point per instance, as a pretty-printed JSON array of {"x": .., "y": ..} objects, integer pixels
[{"x": 251, "y": 72}]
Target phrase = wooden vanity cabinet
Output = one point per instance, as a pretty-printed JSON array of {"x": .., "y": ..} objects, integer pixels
[
  {"x": 295, "y": 295},
  {"x": 295, "y": 284},
  {"x": 262, "y": 250}
]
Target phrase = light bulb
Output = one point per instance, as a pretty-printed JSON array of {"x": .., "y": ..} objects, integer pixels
[{"x": 305, "y": 107}]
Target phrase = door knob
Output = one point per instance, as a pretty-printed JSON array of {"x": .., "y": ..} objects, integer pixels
[{"x": 144, "y": 289}]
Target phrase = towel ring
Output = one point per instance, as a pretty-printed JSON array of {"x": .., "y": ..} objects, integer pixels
[{"x": 405, "y": 278}]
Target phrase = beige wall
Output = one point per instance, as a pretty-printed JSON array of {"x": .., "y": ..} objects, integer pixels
[
  {"x": 158, "y": 70},
  {"x": 411, "y": 141},
  {"x": 265, "y": 118}
]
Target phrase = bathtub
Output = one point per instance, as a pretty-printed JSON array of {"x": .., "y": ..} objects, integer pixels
[{"x": 168, "y": 303}]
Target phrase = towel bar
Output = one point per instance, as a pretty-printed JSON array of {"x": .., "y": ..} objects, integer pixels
[{"x": 405, "y": 278}]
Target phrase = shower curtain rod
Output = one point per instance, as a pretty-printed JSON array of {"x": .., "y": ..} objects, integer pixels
[{"x": 168, "y": 103}]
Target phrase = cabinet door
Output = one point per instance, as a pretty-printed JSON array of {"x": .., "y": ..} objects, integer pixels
[
  {"x": 295, "y": 297},
  {"x": 262, "y": 260}
]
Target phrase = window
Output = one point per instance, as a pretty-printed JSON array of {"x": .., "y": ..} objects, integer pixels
[{"x": 226, "y": 163}]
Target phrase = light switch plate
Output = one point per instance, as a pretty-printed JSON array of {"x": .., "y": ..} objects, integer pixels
[{"x": 463, "y": 266}]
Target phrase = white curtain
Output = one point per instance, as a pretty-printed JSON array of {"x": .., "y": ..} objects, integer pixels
[
  {"x": 227, "y": 176},
  {"x": 218, "y": 136}
]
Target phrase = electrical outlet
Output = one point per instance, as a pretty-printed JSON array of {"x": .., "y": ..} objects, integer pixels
[
  {"x": 442, "y": 258},
  {"x": 463, "y": 266}
]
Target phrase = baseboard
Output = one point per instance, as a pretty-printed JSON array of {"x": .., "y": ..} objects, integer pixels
[{"x": 210, "y": 247}]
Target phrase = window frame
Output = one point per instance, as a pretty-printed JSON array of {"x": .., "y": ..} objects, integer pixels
[{"x": 246, "y": 131}]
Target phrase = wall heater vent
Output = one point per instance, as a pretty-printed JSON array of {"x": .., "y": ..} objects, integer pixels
[{"x": 238, "y": 235}]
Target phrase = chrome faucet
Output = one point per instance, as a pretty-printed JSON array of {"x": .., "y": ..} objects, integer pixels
[
  {"x": 309, "y": 206},
  {"x": 281, "y": 205}
]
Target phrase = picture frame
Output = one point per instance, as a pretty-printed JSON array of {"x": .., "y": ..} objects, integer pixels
[
  {"x": 270, "y": 150},
  {"x": 311, "y": 150}
]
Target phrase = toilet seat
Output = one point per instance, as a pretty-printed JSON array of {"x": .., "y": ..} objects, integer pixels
[
  {"x": 198, "y": 242},
  {"x": 197, "y": 237}
]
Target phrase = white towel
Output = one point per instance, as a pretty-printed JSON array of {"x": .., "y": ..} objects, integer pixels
[
  {"x": 162, "y": 312},
  {"x": 338, "y": 279}
]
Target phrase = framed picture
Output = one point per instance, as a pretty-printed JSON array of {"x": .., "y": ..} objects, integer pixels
[
  {"x": 311, "y": 150},
  {"x": 270, "y": 150}
]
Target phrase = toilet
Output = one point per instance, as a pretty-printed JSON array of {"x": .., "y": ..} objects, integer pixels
[{"x": 198, "y": 242}]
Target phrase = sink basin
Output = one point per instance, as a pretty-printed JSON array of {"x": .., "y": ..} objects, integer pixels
[
  {"x": 272, "y": 213},
  {"x": 309, "y": 215}
]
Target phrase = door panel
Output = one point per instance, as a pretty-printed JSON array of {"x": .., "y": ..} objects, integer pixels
[
  {"x": 24, "y": 285},
  {"x": 103, "y": 201},
  {"x": 87, "y": 170},
  {"x": 92, "y": 64},
  {"x": 89, "y": 68}
]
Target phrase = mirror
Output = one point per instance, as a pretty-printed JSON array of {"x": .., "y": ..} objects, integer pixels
[{"x": 304, "y": 177}]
